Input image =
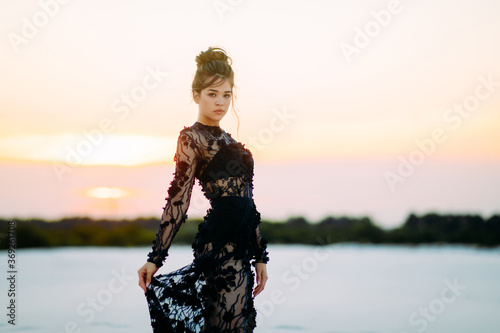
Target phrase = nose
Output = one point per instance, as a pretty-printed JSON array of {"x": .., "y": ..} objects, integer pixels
[{"x": 219, "y": 101}]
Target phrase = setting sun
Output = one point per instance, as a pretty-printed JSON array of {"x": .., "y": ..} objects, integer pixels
[{"x": 107, "y": 192}]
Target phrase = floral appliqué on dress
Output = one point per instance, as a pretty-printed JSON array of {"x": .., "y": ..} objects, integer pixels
[{"x": 214, "y": 292}]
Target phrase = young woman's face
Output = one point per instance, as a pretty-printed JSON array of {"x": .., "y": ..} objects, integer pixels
[{"x": 213, "y": 103}]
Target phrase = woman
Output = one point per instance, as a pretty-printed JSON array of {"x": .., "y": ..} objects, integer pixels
[{"x": 215, "y": 292}]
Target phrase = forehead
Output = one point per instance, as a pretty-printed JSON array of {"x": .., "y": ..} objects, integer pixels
[{"x": 219, "y": 86}]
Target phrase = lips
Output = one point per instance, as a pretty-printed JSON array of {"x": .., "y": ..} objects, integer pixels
[{"x": 219, "y": 111}]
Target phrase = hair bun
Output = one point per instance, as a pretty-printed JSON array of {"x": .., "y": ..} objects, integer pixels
[
  {"x": 212, "y": 54},
  {"x": 214, "y": 65}
]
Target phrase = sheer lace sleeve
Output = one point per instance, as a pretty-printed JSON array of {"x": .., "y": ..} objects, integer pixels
[
  {"x": 179, "y": 196},
  {"x": 261, "y": 254}
]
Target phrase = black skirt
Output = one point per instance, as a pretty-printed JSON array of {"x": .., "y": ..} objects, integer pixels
[{"x": 214, "y": 292}]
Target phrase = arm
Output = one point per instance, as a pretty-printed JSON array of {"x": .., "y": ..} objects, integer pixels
[
  {"x": 261, "y": 259},
  {"x": 179, "y": 196},
  {"x": 261, "y": 254}
]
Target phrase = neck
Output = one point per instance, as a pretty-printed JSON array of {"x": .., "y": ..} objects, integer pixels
[{"x": 206, "y": 121}]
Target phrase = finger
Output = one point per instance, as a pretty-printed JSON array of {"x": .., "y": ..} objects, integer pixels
[
  {"x": 257, "y": 290},
  {"x": 261, "y": 285},
  {"x": 141, "y": 281},
  {"x": 148, "y": 279}
]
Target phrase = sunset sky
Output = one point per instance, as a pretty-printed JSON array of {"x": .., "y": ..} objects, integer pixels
[{"x": 377, "y": 108}]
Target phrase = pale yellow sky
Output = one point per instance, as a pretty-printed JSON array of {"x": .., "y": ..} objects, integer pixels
[{"x": 125, "y": 68}]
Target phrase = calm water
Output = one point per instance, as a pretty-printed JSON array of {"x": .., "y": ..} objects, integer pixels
[{"x": 342, "y": 288}]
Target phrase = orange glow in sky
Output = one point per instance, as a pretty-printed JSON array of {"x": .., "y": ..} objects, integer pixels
[
  {"x": 106, "y": 192},
  {"x": 96, "y": 97}
]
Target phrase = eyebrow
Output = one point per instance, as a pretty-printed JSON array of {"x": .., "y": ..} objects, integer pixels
[{"x": 227, "y": 91}]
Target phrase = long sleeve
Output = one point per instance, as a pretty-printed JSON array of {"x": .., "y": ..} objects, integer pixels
[
  {"x": 179, "y": 196},
  {"x": 261, "y": 254}
]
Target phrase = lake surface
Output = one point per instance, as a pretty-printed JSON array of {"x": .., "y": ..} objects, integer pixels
[{"x": 343, "y": 288}]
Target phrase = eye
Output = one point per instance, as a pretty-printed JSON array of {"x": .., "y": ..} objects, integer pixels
[
  {"x": 227, "y": 95},
  {"x": 211, "y": 94}
]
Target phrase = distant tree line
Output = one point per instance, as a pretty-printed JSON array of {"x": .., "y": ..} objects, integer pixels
[{"x": 429, "y": 228}]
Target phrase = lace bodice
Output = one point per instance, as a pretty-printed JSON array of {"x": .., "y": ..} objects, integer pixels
[
  {"x": 223, "y": 167},
  {"x": 226, "y": 166}
]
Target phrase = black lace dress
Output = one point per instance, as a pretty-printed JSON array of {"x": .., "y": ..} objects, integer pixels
[{"x": 214, "y": 292}]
